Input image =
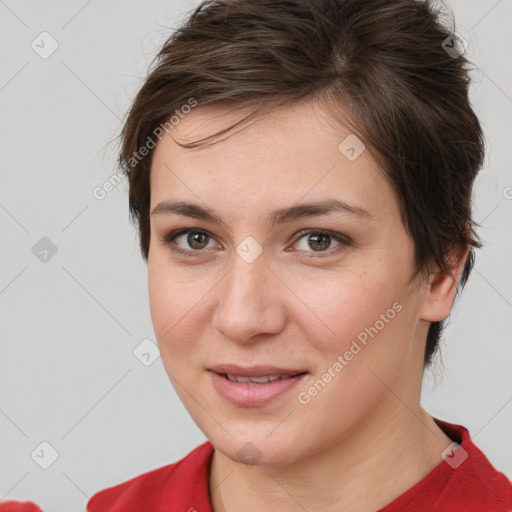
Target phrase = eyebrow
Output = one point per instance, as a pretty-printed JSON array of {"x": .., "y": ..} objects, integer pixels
[{"x": 275, "y": 218}]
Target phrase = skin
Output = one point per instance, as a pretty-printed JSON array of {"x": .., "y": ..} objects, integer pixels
[{"x": 294, "y": 309}]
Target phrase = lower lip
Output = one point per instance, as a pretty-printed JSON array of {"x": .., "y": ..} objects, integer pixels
[{"x": 252, "y": 395}]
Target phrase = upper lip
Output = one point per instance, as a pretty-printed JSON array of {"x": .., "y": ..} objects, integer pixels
[{"x": 254, "y": 371}]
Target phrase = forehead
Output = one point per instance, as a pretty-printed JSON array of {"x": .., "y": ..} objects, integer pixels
[{"x": 292, "y": 152}]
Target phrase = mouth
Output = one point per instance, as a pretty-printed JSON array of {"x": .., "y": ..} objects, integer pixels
[
  {"x": 256, "y": 371},
  {"x": 254, "y": 386},
  {"x": 264, "y": 379}
]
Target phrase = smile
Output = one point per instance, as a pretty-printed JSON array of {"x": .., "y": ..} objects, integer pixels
[
  {"x": 254, "y": 391},
  {"x": 255, "y": 380}
]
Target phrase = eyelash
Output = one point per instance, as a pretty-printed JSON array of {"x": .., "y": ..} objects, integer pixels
[{"x": 342, "y": 239}]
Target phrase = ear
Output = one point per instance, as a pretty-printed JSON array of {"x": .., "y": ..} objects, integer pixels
[{"x": 441, "y": 287}]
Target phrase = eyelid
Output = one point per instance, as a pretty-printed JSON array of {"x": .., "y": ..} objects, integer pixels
[{"x": 343, "y": 240}]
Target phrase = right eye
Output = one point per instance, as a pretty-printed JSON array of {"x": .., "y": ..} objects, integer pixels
[{"x": 192, "y": 241}]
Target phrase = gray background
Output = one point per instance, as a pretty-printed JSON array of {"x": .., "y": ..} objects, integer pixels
[{"x": 68, "y": 326}]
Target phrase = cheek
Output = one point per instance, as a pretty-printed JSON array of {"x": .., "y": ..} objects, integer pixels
[
  {"x": 171, "y": 300},
  {"x": 366, "y": 331},
  {"x": 181, "y": 307},
  {"x": 159, "y": 297},
  {"x": 342, "y": 305}
]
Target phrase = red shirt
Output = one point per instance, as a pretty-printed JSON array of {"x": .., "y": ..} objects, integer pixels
[
  {"x": 18, "y": 506},
  {"x": 473, "y": 486},
  {"x": 464, "y": 482}
]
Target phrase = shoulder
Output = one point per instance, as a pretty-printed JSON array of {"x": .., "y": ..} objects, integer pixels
[
  {"x": 464, "y": 481},
  {"x": 478, "y": 480},
  {"x": 153, "y": 489}
]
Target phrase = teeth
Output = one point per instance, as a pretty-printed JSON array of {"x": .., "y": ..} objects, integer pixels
[{"x": 255, "y": 380}]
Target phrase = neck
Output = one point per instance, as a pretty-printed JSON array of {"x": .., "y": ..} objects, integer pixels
[{"x": 388, "y": 457}]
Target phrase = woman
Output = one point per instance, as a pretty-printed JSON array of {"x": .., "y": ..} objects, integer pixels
[{"x": 300, "y": 173}]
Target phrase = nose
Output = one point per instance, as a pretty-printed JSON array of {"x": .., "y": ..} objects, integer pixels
[{"x": 250, "y": 302}]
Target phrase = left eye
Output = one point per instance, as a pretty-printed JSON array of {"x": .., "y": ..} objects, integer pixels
[
  {"x": 319, "y": 241},
  {"x": 313, "y": 241}
]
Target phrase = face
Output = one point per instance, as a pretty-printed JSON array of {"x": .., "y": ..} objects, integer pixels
[{"x": 270, "y": 286}]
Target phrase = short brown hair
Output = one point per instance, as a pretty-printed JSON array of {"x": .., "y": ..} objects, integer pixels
[{"x": 383, "y": 64}]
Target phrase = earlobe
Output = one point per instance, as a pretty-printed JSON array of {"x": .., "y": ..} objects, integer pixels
[{"x": 441, "y": 287}]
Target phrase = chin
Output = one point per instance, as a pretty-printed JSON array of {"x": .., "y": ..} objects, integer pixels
[{"x": 258, "y": 449}]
